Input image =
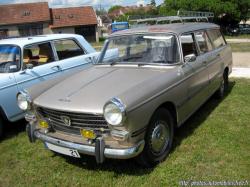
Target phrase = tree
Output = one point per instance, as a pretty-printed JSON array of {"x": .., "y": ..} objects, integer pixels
[
  {"x": 101, "y": 11},
  {"x": 153, "y": 3},
  {"x": 234, "y": 10},
  {"x": 243, "y": 6},
  {"x": 115, "y": 7}
]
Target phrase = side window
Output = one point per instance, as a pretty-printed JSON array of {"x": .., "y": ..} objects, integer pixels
[
  {"x": 203, "y": 42},
  {"x": 67, "y": 49},
  {"x": 217, "y": 38},
  {"x": 38, "y": 54},
  {"x": 188, "y": 45}
]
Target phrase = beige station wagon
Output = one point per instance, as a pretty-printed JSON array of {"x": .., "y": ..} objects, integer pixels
[{"x": 130, "y": 101}]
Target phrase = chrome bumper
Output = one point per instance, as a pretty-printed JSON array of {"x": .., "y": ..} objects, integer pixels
[{"x": 90, "y": 150}]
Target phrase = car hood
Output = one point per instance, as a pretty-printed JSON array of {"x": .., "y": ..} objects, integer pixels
[{"x": 90, "y": 89}]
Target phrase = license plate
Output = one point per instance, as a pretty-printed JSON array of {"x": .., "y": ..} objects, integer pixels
[{"x": 62, "y": 150}]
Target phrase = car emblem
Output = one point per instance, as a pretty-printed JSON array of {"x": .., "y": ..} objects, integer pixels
[{"x": 66, "y": 120}]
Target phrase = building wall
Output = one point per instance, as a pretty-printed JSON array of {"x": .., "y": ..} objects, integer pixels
[
  {"x": 46, "y": 29},
  {"x": 93, "y": 36},
  {"x": 66, "y": 30},
  {"x": 12, "y": 30},
  {"x": 89, "y": 35}
]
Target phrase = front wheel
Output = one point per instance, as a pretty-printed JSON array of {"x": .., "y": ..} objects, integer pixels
[{"x": 158, "y": 139}]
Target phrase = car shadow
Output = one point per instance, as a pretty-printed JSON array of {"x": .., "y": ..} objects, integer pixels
[
  {"x": 130, "y": 166},
  {"x": 13, "y": 129}
]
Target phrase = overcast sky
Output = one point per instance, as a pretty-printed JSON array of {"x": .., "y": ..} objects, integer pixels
[{"x": 95, "y": 3}]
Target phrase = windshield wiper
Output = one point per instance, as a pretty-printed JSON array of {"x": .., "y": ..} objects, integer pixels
[
  {"x": 132, "y": 57},
  {"x": 113, "y": 63},
  {"x": 142, "y": 64}
]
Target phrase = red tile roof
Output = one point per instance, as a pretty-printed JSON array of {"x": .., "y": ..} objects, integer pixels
[
  {"x": 24, "y": 13},
  {"x": 73, "y": 16}
]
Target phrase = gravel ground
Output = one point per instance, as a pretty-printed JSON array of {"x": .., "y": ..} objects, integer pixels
[
  {"x": 242, "y": 40},
  {"x": 241, "y": 65},
  {"x": 241, "y": 59}
]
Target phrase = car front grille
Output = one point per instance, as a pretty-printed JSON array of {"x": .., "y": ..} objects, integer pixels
[{"x": 78, "y": 121}]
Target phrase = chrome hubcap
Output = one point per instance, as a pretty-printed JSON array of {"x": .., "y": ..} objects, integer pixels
[{"x": 159, "y": 138}]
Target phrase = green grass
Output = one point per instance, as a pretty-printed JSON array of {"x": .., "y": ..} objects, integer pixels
[
  {"x": 240, "y": 47},
  {"x": 240, "y": 36},
  {"x": 97, "y": 45},
  {"x": 213, "y": 145}
]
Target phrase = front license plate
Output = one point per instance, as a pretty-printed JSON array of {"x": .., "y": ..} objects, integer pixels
[{"x": 63, "y": 150}]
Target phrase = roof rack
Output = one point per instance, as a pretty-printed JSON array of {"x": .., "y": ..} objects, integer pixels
[
  {"x": 166, "y": 20},
  {"x": 185, "y": 13}
]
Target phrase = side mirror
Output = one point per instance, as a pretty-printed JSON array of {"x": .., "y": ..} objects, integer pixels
[
  {"x": 190, "y": 58},
  {"x": 91, "y": 60}
]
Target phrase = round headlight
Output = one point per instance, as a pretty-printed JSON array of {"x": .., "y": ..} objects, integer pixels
[
  {"x": 23, "y": 101},
  {"x": 114, "y": 112}
]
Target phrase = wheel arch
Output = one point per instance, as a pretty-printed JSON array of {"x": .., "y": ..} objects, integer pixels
[
  {"x": 226, "y": 70},
  {"x": 170, "y": 106},
  {"x": 3, "y": 114}
]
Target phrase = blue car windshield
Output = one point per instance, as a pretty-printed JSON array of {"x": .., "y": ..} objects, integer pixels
[{"x": 9, "y": 58}]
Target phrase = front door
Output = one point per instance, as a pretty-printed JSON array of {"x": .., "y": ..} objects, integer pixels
[
  {"x": 195, "y": 70},
  {"x": 39, "y": 64}
]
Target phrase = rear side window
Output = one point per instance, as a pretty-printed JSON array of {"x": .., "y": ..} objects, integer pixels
[
  {"x": 203, "y": 42},
  {"x": 67, "y": 49},
  {"x": 216, "y": 38}
]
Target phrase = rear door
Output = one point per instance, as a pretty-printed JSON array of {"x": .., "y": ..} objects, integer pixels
[
  {"x": 215, "y": 59},
  {"x": 71, "y": 55}
]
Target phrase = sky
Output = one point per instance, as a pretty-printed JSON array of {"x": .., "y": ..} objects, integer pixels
[{"x": 96, "y": 3}]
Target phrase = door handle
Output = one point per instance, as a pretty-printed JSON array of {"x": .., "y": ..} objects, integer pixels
[{"x": 56, "y": 68}]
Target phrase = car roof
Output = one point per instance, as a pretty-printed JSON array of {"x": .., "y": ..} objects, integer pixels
[
  {"x": 177, "y": 28},
  {"x": 23, "y": 41}
]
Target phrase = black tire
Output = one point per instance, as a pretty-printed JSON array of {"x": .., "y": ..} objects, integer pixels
[
  {"x": 1, "y": 127},
  {"x": 223, "y": 86},
  {"x": 160, "y": 120}
]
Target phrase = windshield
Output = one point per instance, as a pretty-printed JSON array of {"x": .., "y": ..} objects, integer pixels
[
  {"x": 141, "y": 49},
  {"x": 9, "y": 58}
]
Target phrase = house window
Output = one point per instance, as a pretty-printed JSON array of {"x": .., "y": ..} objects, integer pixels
[
  {"x": 26, "y": 13},
  {"x": 3, "y": 33},
  {"x": 57, "y": 17},
  {"x": 30, "y": 30}
]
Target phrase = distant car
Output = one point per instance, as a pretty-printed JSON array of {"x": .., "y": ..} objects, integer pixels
[
  {"x": 118, "y": 26},
  {"x": 244, "y": 28},
  {"x": 129, "y": 105},
  {"x": 232, "y": 30},
  {"x": 28, "y": 61}
]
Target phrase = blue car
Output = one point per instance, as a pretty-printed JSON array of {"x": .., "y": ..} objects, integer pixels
[
  {"x": 28, "y": 61},
  {"x": 119, "y": 26}
]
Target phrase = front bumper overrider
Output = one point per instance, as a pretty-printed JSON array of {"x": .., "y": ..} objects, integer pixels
[{"x": 98, "y": 150}]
